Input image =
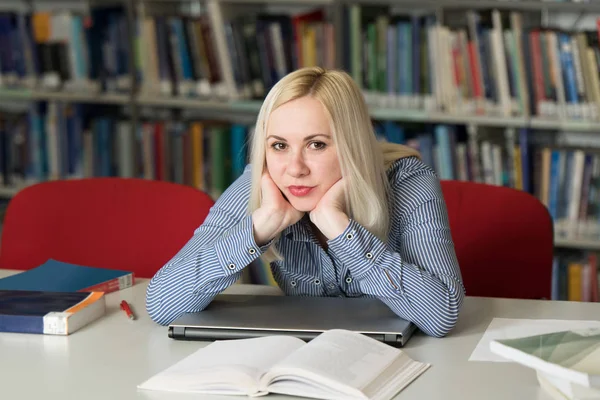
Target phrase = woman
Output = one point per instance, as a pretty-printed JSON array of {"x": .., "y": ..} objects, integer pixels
[{"x": 335, "y": 212}]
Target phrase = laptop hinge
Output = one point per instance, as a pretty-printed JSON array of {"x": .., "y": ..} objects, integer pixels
[
  {"x": 176, "y": 332},
  {"x": 392, "y": 338}
]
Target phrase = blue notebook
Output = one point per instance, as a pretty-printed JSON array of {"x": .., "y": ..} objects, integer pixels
[
  {"x": 57, "y": 276},
  {"x": 55, "y": 313}
]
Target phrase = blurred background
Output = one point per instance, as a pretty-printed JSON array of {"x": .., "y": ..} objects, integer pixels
[{"x": 500, "y": 92}]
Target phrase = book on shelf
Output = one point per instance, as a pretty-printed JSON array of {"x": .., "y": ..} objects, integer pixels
[
  {"x": 575, "y": 276},
  {"x": 566, "y": 363},
  {"x": 337, "y": 364},
  {"x": 52, "y": 313},
  {"x": 57, "y": 276}
]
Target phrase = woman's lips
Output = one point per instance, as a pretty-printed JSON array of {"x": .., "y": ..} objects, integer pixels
[{"x": 300, "y": 191}]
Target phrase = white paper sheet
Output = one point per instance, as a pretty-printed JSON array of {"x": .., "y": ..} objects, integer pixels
[{"x": 507, "y": 328}]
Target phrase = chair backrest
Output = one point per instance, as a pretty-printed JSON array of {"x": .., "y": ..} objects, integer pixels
[
  {"x": 130, "y": 224},
  {"x": 503, "y": 239}
]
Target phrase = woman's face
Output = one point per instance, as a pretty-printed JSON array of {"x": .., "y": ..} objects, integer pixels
[{"x": 301, "y": 157}]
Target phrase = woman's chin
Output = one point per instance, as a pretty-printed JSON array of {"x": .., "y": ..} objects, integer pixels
[{"x": 303, "y": 205}]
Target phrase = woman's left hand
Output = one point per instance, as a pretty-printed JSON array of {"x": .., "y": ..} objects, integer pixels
[{"x": 329, "y": 215}]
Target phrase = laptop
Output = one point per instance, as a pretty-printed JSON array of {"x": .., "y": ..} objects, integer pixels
[{"x": 249, "y": 316}]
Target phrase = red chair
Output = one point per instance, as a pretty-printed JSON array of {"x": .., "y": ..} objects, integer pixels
[
  {"x": 130, "y": 224},
  {"x": 503, "y": 239}
]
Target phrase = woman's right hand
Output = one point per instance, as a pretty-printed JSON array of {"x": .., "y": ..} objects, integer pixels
[{"x": 275, "y": 213}]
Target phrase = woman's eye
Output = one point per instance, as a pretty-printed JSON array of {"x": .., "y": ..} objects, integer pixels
[
  {"x": 278, "y": 146},
  {"x": 318, "y": 145}
]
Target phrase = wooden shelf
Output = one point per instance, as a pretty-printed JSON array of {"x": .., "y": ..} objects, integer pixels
[
  {"x": 183, "y": 102},
  {"x": 7, "y": 192},
  {"x": 523, "y": 5},
  {"x": 93, "y": 98},
  {"x": 584, "y": 244},
  {"x": 247, "y": 108},
  {"x": 565, "y": 125}
]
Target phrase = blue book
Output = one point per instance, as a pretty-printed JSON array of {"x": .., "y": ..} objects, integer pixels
[
  {"x": 57, "y": 276},
  {"x": 54, "y": 313}
]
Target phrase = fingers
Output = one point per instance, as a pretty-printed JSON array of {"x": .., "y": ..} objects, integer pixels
[{"x": 269, "y": 190}]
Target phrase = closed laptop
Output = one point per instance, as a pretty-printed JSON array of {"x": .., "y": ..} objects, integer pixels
[{"x": 246, "y": 316}]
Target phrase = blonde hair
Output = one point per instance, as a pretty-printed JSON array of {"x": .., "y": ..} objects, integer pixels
[{"x": 353, "y": 136}]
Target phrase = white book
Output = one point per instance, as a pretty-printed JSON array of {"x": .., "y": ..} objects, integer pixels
[
  {"x": 561, "y": 389},
  {"x": 557, "y": 74},
  {"x": 499, "y": 58},
  {"x": 497, "y": 164},
  {"x": 581, "y": 107},
  {"x": 125, "y": 150},
  {"x": 337, "y": 364},
  {"x": 226, "y": 89},
  {"x": 52, "y": 142},
  {"x": 574, "y": 201},
  {"x": 487, "y": 162},
  {"x": 461, "y": 156},
  {"x": 567, "y": 363}
]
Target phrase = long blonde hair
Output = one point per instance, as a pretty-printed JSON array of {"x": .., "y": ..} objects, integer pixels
[{"x": 353, "y": 136}]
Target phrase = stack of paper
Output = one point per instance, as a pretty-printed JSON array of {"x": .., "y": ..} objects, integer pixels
[{"x": 567, "y": 362}]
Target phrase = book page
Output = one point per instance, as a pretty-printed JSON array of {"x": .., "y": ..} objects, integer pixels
[
  {"x": 241, "y": 362},
  {"x": 345, "y": 357}
]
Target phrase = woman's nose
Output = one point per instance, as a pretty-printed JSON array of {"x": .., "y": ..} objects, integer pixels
[{"x": 296, "y": 165}]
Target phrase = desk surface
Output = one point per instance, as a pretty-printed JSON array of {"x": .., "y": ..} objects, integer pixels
[{"x": 110, "y": 357}]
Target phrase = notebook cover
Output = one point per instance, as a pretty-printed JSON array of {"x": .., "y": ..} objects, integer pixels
[{"x": 57, "y": 276}]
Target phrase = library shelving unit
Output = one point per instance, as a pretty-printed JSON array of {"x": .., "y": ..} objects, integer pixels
[{"x": 236, "y": 108}]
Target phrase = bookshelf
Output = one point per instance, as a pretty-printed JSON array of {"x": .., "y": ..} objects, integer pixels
[
  {"x": 139, "y": 102},
  {"x": 526, "y": 5},
  {"x": 586, "y": 244}
]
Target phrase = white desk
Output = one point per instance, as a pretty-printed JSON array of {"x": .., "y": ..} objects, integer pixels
[{"x": 108, "y": 358}]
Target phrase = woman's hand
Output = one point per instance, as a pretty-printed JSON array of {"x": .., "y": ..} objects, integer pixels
[
  {"x": 329, "y": 215},
  {"x": 275, "y": 213}
]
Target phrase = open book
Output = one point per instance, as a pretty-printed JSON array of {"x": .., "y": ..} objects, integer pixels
[{"x": 337, "y": 364}]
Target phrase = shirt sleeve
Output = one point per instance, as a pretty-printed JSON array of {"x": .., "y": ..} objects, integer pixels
[
  {"x": 210, "y": 261},
  {"x": 416, "y": 273}
]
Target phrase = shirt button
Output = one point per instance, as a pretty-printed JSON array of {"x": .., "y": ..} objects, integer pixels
[
  {"x": 348, "y": 280},
  {"x": 251, "y": 251},
  {"x": 349, "y": 236},
  {"x": 317, "y": 282},
  {"x": 231, "y": 266},
  {"x": 293, "y": 283},
  {"x": 369, "y": 255}
]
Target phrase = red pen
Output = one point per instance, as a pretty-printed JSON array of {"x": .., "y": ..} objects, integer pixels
[{"x": 125, "y": 307}]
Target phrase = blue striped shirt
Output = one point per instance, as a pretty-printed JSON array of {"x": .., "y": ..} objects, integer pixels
[{"x": 415, "y": 273}]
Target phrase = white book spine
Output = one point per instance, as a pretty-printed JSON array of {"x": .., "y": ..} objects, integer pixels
[
  {"x": 228, "y": 87},
  {"x": 575, "y": 181},
  {"x": 500, "y": 65}
]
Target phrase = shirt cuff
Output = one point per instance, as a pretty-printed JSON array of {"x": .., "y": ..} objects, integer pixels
[
  {"x": 237, "y": 248},
  {"x": 357, "y": 248}
]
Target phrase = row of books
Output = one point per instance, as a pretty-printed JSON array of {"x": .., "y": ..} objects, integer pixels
[
  {"x": 179, "y": 54},
  {"x": 476, "y": 62},
  {"x": 63, "y": 141},
  {"x": 67, "y": 51},
  {"x": 56, "y": 140},
  {"x": 575, "y": 277},
  {"x": 564, "y": 178},
  {"x": 174, "y": 54}
]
